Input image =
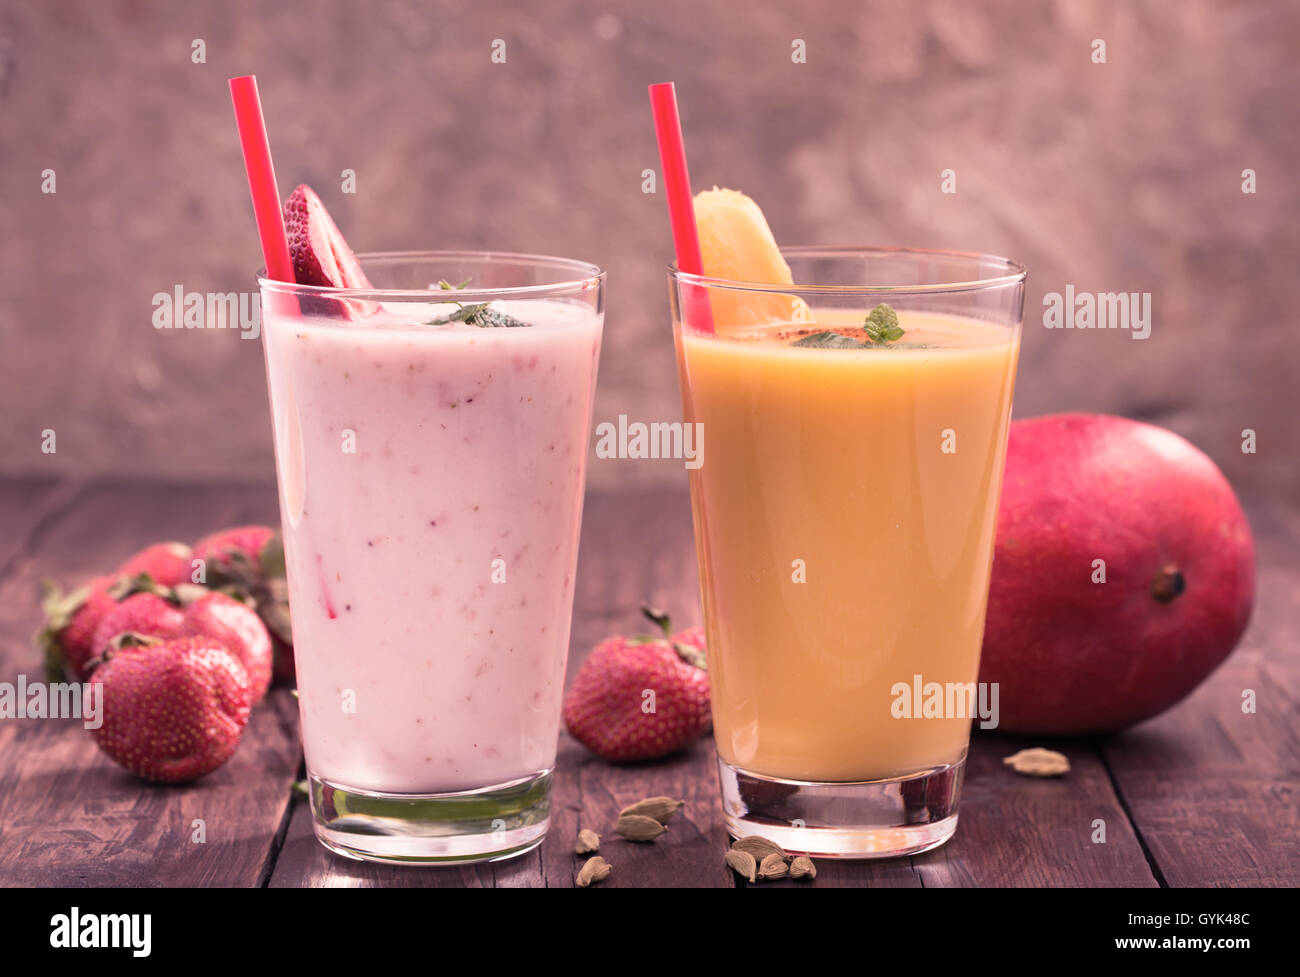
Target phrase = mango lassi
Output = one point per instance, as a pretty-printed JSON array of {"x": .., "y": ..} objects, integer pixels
[
  {"x": 854, "y": 404},
  {"x": 844, "y": 519}
]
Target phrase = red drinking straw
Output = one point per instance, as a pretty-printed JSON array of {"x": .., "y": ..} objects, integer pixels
[
  {"x": 681, "y": 207},
  {"x": 261, "y": 181}
]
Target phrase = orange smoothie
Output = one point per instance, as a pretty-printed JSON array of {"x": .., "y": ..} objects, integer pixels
[{"x": 844, "y": 519}]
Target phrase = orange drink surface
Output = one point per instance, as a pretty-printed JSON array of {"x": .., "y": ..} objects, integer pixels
[{"x": 844, "y": 519}]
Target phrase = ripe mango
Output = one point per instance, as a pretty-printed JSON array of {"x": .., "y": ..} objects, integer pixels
[{"x": 1123, "y": 574}]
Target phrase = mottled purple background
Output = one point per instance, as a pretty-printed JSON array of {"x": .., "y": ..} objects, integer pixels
[{"x": 1122, "y": 176}]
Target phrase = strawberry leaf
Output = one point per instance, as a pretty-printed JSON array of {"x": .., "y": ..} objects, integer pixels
[
  {"x": 271, "y": 559},
  {"x": 691, "y": 655}
]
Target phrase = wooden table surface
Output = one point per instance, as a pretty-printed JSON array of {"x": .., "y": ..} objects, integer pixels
[{"x": 1203, "y": 796}]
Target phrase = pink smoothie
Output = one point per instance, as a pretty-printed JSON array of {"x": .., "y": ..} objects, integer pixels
[{"x": 431, "y": 483}]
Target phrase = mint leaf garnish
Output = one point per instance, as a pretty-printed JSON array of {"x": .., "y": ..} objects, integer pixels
[
  {"x": 882, "y": 325},
  {"x": 466, "y": 313},
  {"x": 494, "y": 319},
  {"x": 828, "y": 340},
  {"x": 475, "y": 313}
]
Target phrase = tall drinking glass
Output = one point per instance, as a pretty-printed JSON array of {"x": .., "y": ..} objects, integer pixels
[
  {"x": 431, "y": 446},
  {"x": 844, "y": 518}
]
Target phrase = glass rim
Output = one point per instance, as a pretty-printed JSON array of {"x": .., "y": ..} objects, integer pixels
[
  {"x": 583, "y": 274},
  {"x": 1015, "y": 272}
]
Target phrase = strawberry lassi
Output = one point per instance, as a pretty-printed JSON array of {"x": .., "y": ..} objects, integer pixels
[{"x": 431, "y": 458}]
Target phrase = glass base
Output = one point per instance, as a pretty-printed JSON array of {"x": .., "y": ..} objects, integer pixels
[
  {"x": 868, "y": 819},
  {"x": 482, "y": 825}
]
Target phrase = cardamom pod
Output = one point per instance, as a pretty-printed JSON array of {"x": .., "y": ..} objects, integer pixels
[
  {"x": 742, "y": 863},
  {"x": 596, "y": 869},
  {"x": 639, "y": 827},
  {"x": 803, "y": 868},
  {"x": 773, "y": 866},
  {"x": 588, "y": 842},
  {"x": 661, "y": 809},
  {"x": 1038, "y": 763},
  {"x": 758, "y": 846}
]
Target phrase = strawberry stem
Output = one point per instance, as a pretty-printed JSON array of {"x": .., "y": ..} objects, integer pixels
[
  {"x": 131, "y": 639},
  {"x": 141, "y": 583},
  {"x": 658, "y": 617}
]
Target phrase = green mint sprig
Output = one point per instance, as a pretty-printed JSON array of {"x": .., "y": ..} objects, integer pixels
[
  {"x": 475, "y": 313},
  {"x": 882, "y": 325},
  {"x": 827, "y": 340}
]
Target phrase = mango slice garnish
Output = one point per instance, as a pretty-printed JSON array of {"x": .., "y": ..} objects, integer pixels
[{"x": 737, "y": 244}]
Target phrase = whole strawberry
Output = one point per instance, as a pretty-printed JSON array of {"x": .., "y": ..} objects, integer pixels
[
  {"x": 248, "y": 562},
  {"x": 67, "y": 638},
  {"x": 145, "y": 613},
  {"x": 194, "y": 612},
  {"x": 237, "y": 628},
  {"x": 221, "y": 550},
  {"x": 172, "y": 711},
  {"x": 694, "y": 637},
  {"x": 167, "y": 563},
  {"x": 640, "y": 698}
]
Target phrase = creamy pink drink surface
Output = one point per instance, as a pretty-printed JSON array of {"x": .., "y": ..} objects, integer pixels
[{"x": 431, "y": 481}]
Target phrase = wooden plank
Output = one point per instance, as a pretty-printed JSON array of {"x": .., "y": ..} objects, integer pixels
[
  {"x": 68, "y": 815},
  {"x": 637, "y": 548},
  {"x": 1021, "y": 831},
  {"x": 1211, "y": 789},
  {"x": 688, "y": 856},
  {"x": 1016, "y": 831},
  {"x": 103, "y": 526},
  {"x": 27, "y": 506}
]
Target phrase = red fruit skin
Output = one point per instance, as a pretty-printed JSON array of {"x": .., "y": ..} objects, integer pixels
[
  {"x": 215, "y": 548},
  {"x": 77, "y": 639},
  {"x": 249, "y": 542},
  {"x": 603, "y": 709},
  {"x": 1071, "y": 656},
  {"x": 238, "y": 629},
  {"x": 144, "y": 613},
  {"x": 173, "y": 711},
  {"x": 167, "y": 563},
  {"x": 321, "y": 256},
  {"x": 691, "y": 636}
]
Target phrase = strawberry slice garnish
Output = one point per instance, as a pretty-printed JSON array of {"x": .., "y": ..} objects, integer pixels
[{"x": 320, "y": 254}]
